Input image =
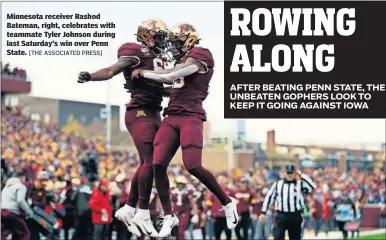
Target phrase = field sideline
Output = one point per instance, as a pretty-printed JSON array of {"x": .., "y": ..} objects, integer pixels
[{"x": 377, "y": 234}]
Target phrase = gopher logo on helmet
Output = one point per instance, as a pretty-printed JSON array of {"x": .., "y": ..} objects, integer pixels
[{"x": 184, "y": 28}]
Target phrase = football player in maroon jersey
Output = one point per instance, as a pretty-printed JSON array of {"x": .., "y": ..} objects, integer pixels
[
  {"x": 183, "y": 123},
  {"x": 245, "y": 199},
  {"x": 183, "y": 205},
  {"x": 142, "y": 115},
  {"x": 215, "y": 210}
]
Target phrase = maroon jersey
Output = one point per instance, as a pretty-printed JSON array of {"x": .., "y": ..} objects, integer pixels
[
  {"x": 144, "y": 92},
  {"x": 245, "y": 199},
  {"x": 214, "y": 205},
  {"x": 189, "y": 92},
  {"x": 181, "y": 200},
  {"x": 198, "y": 197}
]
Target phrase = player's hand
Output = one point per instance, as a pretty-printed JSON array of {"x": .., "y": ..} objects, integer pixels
[
  {"x": 254, "y": 217},
  {"x": 262, "y": 217},
  {"x": 137, "y": 73},
  {"x": 84, "y": 77}
]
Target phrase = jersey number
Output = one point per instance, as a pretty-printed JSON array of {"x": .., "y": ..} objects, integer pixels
[
  {"x": 179, "y": 200},
  {"x": 158, "y": 64}
]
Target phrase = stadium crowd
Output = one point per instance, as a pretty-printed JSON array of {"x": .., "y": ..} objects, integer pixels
[
  {"x": 16, "y": 73},
  {"x": 66, "y": 174}
]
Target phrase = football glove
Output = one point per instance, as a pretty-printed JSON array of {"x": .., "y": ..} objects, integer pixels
[{"x": 84, "y": 77}]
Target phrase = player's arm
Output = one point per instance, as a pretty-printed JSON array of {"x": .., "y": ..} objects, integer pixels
[
  {"x": 190, "y": 66},
  {"x": 167, "y": 91},
  {"x": 109, "y": 72}
]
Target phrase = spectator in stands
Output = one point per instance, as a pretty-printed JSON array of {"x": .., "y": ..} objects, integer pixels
[
  {"x": 5, "y": 69},
  {"x": 316, "y": 215},
  {"x": 101, "y": 209},
  {"x": 215, "y": 208},
  {"x": 37, "y": 198},
  {"x": 358, "y": 210},
  {"x": 124, "y": 186},
  {"x": 329, "y": 217},
  {"x": 306, "y": 217},
  {"x": 263, "y": 229},
  {"x": 57, "y": 210},
  {"x": 13, "y": 201},
  {"x": 382, "y": 217},
  {"x": 66, "y": 197},
  {"x": 83, "y": 220}
]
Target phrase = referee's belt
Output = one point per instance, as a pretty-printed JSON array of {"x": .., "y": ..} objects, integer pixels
[{"x": 289, "y": 213}]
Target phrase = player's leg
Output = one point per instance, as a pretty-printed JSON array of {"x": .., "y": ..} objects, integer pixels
[
  {"x": 166, "y": 144},
  {"x": 145, "y": 132},
  {"x": 142, "y": 130},
  {"x": 183, "y": 225},
  {"x": 165, "y": 147},
  {"x": 191, "y": 139},
  {"x": 130, "y": 117}
]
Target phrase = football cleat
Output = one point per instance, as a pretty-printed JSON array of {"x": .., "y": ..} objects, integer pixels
[
  {"x": 126, "y": 215},
  {"x": 169, "y": 222},
  {"x": 231, "y": 214},
  {"x": 146, "y": 225}
]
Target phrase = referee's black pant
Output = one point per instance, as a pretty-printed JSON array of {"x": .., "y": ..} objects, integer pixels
[
  {"x": 287, "y": 221},
  {"x": 244, "y": 224}
]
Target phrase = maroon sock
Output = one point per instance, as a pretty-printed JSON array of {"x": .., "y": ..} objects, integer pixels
[
  {"x": 162, "y": 184},
  {"x": 145, "y": 183},
  {"x": 210, "y": 182},
  {"x": 133, "y": 194}
]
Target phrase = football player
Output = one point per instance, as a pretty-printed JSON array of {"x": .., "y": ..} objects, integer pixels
[
  {"x": 183, "y": 123},
  {"x": 245, "y": 198},
  {"x": 183, "y": 205},
  {"x": 214, "y": 210},
  {"x": 142, "y": 116}
]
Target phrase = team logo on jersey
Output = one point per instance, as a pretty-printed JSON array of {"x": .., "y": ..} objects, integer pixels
[{"x": 141, "y": 113}]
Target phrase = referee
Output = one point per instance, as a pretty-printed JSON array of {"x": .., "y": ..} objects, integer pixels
[{"x": 287, "y": 195}]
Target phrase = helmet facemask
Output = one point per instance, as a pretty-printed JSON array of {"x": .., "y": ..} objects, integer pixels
[
  {"x": 177, "y": 47},
  {"x": 155, "y": 41},
  {"x": 181, "y": 44}
]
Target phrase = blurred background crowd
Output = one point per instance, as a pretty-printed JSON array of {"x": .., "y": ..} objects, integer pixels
[
  {"x": 15, "y": 73},
  {"x": 57, "y": 165}
]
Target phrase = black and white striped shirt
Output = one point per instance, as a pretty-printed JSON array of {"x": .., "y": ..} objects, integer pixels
[{"x": 288, "y": 196}]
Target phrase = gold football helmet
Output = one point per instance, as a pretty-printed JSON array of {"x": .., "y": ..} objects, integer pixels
[
  {"x": 183, "y": 37},
  {"x": 152, "y": 33}
]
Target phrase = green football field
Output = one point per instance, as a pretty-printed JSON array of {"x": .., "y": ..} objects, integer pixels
[{"x": 372, "y": 237}]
